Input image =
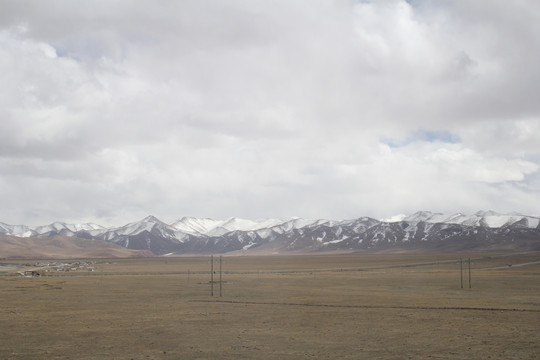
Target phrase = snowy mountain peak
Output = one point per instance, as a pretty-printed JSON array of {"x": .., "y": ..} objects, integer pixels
[
  {"x": 55, "y": 226},
  {"x": 234, "y": 223},
  {"x": 420, "y": 216},
  {"x": 395, "y": 218},
  {"x": 489, "y": 219},
  {"x": 192, "y": 225},
  {"x": 482, "y": 213},
  {"x": 86, "y": 226},
  {"x": 186, "y": 219},
  {"x": 148, "y": 225},
  {"x": 212, "y": 227},
  {"x": 151, "y": 219}
]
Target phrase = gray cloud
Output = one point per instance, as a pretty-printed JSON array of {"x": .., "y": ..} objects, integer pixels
[{"x": 115, "y": 109}]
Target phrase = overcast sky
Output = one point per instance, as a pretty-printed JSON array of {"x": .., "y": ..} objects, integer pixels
[{"x": 114, "y": 110}]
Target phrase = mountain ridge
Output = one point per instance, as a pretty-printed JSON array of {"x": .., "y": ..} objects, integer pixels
[{"x": 421, "y": 230}]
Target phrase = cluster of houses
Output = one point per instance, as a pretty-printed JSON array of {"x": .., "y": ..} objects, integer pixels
[
  {"x": 57, "y": 266},
  {"x": 75, "y": 266}
]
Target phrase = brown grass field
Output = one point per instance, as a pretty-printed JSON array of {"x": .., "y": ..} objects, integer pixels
[{"x": 367, "y": 306}]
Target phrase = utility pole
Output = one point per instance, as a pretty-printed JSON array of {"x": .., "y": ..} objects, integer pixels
[
  {"x": 211, "y": 275},
  {"x": 470, "y": 285},
  {"x": 461, "y": 271},
  {"x": 220, "y": 258}
]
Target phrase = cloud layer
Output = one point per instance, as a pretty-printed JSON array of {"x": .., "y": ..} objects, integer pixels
[{"x": 117, "y": 109}]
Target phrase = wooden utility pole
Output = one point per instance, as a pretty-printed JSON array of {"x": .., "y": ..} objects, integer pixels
[
  {"x": 470, "y": 285},
  {"x": 211, "y": 275},
  {"x": 461, "y": 271},
  {"x": 220, "y": 258}
]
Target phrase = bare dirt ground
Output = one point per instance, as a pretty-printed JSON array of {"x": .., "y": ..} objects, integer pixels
[{"x": 391, "y": 306}]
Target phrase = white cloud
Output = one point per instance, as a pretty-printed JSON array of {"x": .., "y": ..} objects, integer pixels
[{"x": 267, "y": 109}]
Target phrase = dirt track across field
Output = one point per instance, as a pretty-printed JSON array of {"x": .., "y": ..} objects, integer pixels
[{"x": 392, "y": 306}]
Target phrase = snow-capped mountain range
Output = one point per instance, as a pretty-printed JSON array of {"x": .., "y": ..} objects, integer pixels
[{"x": 422, "y": 230}]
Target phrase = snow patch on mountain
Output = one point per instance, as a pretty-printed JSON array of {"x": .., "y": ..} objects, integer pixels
[
  {"x": 336, "y": 241},
  {"x": 395, "y": 218}
]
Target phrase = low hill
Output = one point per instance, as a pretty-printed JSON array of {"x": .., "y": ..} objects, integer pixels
[{"x": 62, "y": 247}]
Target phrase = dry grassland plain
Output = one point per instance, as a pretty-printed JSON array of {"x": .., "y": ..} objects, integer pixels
[{"x": 367, "y": 306}]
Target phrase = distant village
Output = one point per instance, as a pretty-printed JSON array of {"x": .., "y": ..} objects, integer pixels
[{"x": 46, "y": 267}]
